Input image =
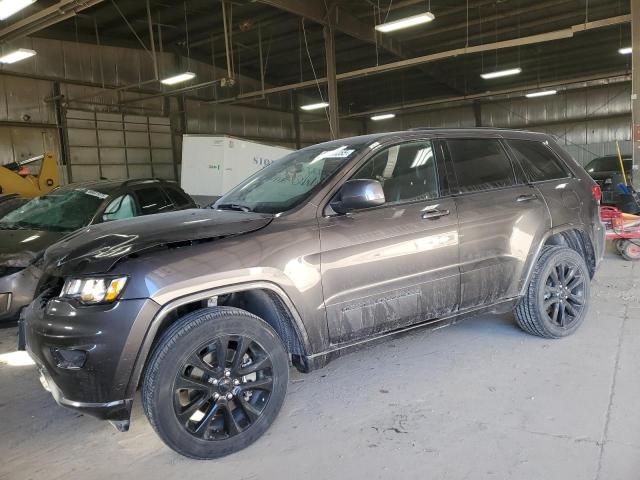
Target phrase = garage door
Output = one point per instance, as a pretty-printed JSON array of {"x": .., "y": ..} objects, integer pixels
[{"x": 114, "y": 145}]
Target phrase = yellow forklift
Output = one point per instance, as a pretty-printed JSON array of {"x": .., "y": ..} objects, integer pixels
[{"x": 16, "y": 178}]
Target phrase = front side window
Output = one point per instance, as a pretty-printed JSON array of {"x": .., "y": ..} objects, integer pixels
[
  {"x": 407, "y": 172},
  {"x": 63, "y": 210},
  {"x": 480, "y": 164},
  {"x": 120, "y": 208},
  {"x": 152, "y": 200},
  {"x": 289, "y": 181},
  {"x": 537, "y": 161}
]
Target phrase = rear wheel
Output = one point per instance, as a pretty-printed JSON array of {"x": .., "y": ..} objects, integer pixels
[
  {"x": 631, "y": 250},
  {"x": 619, "y": 244},
  {"x": 556, "y": 300},
  {"x": 215, "y": 382}
]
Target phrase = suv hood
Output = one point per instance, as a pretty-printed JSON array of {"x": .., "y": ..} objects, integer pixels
[{"x": 97, "y": 248}]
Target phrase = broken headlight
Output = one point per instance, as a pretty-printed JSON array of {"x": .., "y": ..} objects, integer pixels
[{"x": 93, "y": 290}]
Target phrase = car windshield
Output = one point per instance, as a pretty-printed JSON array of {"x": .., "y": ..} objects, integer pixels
[
  {"x": 63, "y": 210},
  {"x": 607, "y": 164},
  {"x": 289, "y": 181}
]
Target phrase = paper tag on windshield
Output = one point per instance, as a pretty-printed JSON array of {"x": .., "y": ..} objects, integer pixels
[
  {"x": 95, "y": 194},
  {"x": 341, "y": 152}
]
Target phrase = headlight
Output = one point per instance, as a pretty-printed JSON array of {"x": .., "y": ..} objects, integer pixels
[{"x": 92, "y": 290}]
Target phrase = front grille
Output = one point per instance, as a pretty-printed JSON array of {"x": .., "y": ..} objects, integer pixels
[{"x": 5, "y": 302}]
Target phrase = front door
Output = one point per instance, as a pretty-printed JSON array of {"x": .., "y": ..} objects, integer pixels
[
  {"x": 500, "y": 219},
  {"x": 387, "y": 267}
]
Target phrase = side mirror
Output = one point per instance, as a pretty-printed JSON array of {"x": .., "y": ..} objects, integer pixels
[{"x": 357, "y": 194}]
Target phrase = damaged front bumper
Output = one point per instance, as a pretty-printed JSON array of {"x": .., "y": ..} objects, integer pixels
[{"x": 86, "y": 355}]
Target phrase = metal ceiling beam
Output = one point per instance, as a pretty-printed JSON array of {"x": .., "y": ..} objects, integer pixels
[
  {"x": 339, "y": 19},
  {"x": 331, "y": 14},
  {"x": 56, "y": 13},
  {"x": 528, "y": 40},
  {"x": 617, "y": 77}
]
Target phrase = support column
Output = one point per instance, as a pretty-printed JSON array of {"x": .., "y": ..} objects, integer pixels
[
  {"x": 61, "y": 124},
  {"x": 477, "y": 112},
  {"x": 332, "y": 83},
  {"x": 296, "y": 119},
  {"x": 635, "y": 90}
]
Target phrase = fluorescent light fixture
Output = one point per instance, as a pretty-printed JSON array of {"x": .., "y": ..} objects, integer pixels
[
  {"x": 315, "y": 106},
  {"x": 9, "y": 7},
  {"x": 542, "y": 93},
  {"x": 501, "y": 73},
  {"x": 181, "y": 77},
  {"x": 625, "y": 51},
  {"x": 405, "y": 22},
  {"x": 384, "y": 116},
  {"x": 17, "y": 55}
]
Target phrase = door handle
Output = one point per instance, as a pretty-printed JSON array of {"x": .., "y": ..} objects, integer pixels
[
  {"x": 433, "y": 214},
  {"x": 527, "y": 198}
]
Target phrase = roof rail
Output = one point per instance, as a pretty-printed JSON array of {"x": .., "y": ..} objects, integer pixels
[
  {"x": 132, "y": 181},
  {"x": 415, "y": 129}
]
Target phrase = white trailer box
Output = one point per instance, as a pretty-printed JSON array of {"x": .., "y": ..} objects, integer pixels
[{"x": 214, "y": 164}]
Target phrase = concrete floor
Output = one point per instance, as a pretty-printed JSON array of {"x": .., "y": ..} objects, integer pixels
[{"x": 480, "y": 399}]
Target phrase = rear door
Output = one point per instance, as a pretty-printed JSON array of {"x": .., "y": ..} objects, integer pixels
[
  {"x": 390, "y": 266},
  {"x": 500, "y": 219}
]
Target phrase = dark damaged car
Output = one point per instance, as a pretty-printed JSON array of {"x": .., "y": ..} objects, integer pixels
[
  {"x": 331, "y": 247},
  {"x": 27, "y": 231}
]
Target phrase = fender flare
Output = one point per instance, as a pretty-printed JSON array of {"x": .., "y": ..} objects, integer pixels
[
  {"x": 548, "y": 234},
  {"x": 167, "y": 308}
]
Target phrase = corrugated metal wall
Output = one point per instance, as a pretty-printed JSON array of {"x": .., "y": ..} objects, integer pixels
[{"x": 587, "y": 121}]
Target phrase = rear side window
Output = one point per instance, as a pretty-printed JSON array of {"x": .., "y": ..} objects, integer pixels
[
  {"x": 178, "y": 198},
  {"x": 537, "y": 161},
  {"x": 152, "y": 200},
  {"x": 480, "y": 164}
]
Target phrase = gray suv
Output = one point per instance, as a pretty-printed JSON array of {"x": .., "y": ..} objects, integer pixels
[{"x": 333, "y": 246}]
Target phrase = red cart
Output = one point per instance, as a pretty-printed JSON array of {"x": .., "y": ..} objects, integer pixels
[{"x": 624, "y": 230}]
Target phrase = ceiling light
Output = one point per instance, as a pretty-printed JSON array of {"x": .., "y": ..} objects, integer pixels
[
  {"x": 625, "y": 51},
  {"x": 182, "y": 77},
  {"x": 17, "y": 55},
  {"x": 501, "y": 73},
  {"x": 405, "y": 22},
  {"x": 315, "y": 106},
  {"x": 9, "y": 7},
  {"x": 384, "y": 116},
  {"x": 542, "y": 93}
]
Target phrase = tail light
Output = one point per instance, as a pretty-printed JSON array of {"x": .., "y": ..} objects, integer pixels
[{"x": 596, "y": 191}]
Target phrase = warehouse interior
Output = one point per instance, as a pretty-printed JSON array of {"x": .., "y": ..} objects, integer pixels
[{"x": 112, "y": 88}]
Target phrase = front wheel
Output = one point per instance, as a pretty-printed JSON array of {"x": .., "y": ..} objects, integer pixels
[
  {"x": 556, "y": 300},
  {"x": 215, "y": 382}
]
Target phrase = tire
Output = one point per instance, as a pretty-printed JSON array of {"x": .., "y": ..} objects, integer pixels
[
  {"x": 536, "y": 312},
  {"x": 195, "y": 406},
  {"x": 631, "y": 250}
]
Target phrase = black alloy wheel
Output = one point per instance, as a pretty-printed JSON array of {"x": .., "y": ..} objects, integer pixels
[
  {"x": 556, "y": 300},
  {"x": 215, "y": 382},
  {"x": 564, "y": 293},
  {"x": 223, "y": 387}
]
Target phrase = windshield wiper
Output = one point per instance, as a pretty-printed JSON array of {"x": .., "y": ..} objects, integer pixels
[{"x": 233, "y": 206}]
